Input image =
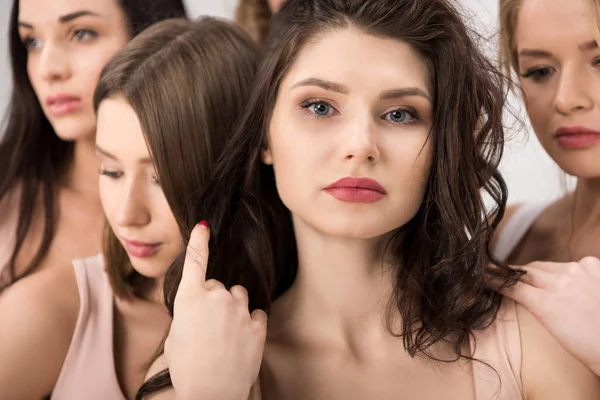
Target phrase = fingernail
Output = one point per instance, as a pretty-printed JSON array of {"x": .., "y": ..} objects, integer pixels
[{"x": 204, "y": 224}]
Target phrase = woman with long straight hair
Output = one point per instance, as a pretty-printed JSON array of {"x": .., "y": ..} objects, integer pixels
[
  {"x": 91, "y": 331},
  {"x": 50, "y": 211}
]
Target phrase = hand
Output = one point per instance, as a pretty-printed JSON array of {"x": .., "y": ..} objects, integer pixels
[
  {"x": 215, "y": 346},
  {"x": 565, "y": 298}
]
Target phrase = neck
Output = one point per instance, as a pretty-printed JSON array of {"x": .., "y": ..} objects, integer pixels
[
  {"x": 586, "y": 203},
  {"x": 342, "y": 287},
  {"x": 82, "y": 176}
]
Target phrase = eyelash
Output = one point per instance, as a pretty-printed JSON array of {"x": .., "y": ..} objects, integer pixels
[
  {"x": 414, "y": 115},
  {"x": 28, "y": 41},
  {"x": 534, "y": 73},
  {"x": 110, "y": 174},
  {"x": 116, "y": 175}
]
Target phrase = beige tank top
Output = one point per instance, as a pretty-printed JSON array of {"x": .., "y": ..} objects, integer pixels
[
  {"x": 89, "y": 373},
  {"x": 89, "y": 369}
]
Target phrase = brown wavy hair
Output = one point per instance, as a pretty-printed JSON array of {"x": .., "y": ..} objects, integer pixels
[
  {"x": 200, "y": 75},
  {"x": 31, "y": 154},
  {"x": 255, "y": 17},
  {"x": 442, "y": 254}
]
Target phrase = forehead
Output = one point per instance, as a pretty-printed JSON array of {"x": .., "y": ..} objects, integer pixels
[
  {"x": 551, "y": 23},
  {"x": 119, "y": 130},
  {"x": 356, "y": 58},
  {"x": 50, "y": 10}
]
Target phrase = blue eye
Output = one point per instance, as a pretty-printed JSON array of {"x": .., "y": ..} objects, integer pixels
[
  {"x": 320, "y": 108},
  {"x": 400, "y": 116},
  {"x": 32, "y": 43}
]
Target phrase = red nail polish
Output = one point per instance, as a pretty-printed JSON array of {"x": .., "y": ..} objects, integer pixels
[{"x": 204, "y": 224}]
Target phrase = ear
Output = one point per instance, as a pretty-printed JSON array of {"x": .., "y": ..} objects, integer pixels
[{"x": 266, "y": 156}]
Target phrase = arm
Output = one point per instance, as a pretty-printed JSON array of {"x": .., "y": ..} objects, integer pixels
[
  {"x": 548, "y": 371},
  {"x": 35, "y": 334}
]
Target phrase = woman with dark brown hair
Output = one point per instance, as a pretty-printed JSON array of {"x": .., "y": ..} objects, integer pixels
[
  {"x": 348, "y": 204},
  {"x": 50, "y": 211},
  {"x": 553, "y": 48},
  {"x": 255, "y": 16},
  {"x": 165, "y": 105}
]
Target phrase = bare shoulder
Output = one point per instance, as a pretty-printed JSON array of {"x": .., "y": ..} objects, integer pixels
[
  {"x": 548, "y": 371},
  {"x": 37, "y": 318}
]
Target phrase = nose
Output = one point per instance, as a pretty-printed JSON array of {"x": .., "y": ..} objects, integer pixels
[
  {"x": 54, "y": 63},
  {"x": 360, "y": 145},
  {"x": 572, "y": 94},
  {"x": 133, "y": 210}
]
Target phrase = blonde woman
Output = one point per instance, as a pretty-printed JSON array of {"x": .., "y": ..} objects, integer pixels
[{"x": 551, "y": 46}]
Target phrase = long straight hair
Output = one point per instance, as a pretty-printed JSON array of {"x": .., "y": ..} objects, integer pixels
[
  {"x": 201, "y": 74},
  {"x": 32, "y": 156},
  {"x": 441, "y": 256}
]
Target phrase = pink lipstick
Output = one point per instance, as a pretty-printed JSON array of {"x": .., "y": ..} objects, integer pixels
[{"x": 356, "y": 190}]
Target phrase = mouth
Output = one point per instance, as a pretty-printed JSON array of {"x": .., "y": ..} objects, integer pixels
[
  {"x": 576, "y": 137},
  {"x": 356, "y": 190},
  {"x": 62, "y": 104},
  {"x": 141, "y": 249}
]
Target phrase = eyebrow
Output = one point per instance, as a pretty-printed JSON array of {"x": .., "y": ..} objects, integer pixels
[
  {"x": 104, "y": 153},
  {"x": 590, "y": 45},
  {"x": 65, "y": 18},
  {"x": 339, "y": 88}
]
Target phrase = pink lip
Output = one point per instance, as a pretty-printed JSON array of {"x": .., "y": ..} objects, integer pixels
[
  {"x": 141, "y": 249},
  {"x": 61, "y": 104},
  {"x": 576, "y": 137},
  {"x": 356, "y": 190}
]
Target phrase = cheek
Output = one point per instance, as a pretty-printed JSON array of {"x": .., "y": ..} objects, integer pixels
[{"x": 109, "y": 197}]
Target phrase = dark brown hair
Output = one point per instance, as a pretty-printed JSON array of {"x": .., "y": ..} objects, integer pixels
[
  {"x": 442, "y": 254},
  {"x": 31, "y": 154},
  {"x": 255, "y": 17},
  {"x": 200, "y": 74}
]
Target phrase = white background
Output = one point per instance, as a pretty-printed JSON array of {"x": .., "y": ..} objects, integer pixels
[{"x": 530, "y": 174}]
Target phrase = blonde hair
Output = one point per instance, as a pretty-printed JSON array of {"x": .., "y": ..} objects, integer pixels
[
  {"x": 509, "y": 15},
  {"x": 255, "y": 17}
]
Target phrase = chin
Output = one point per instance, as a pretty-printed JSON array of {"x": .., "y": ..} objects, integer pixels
[
  {"x": 150, "y": 267},
  {"x": 74, "y": 128},
  {"x": 581, "y": 164}
]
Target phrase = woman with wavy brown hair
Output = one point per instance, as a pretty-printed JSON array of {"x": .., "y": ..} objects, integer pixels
[
  {"x": 348, "y": 204},
  {"x": 553, "y": 49},
  {"x": 255, "y": 16}
]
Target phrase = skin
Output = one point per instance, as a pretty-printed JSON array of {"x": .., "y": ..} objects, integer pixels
[
  {"x": 560, "y": 80},
  {"x": 275, "y": 5},
  {"x": 330, "y": 341},
  {"x": 67, "y": 58},
  {"x": 136, "y": 208}
]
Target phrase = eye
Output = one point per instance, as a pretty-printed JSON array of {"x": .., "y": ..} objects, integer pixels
[
  {"x": 401, "y": 116},
  {"x": 318, "y": 108},
  {"x": 596, "y": 61},
  {"x": 110, "y": 174},
  {"x": 84, "y": 35},
  {"x": 155, "y": 180},
  {"x": 538, "y": 74},
  {"x": 31, "y": 43}
]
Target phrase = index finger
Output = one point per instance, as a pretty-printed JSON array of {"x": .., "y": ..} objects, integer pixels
[{"x": 193, "y": 275}]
